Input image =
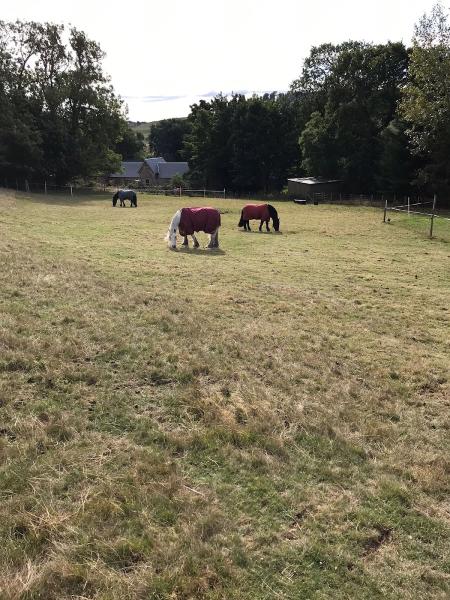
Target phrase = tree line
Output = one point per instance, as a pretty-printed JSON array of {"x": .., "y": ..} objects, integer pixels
[{"x": 376, "y": 116}]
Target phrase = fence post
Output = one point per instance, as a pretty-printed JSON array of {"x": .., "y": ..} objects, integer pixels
[
  {"x": 179, "y": 191},
  {"x": 204, "y": 193},
  {"x": 432, "y": 217},
  {"x": 27, "y": 187},
  {"x": 385, "y": 210},
  {"x": 408, "y": 205},
  {"x": 71, "y": 191},
  {"x": 224, "y": 193},
  {"x": 45, "y": 186}
]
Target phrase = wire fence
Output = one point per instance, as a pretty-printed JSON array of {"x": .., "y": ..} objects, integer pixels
[
  {"x": 373, "y": 199},
  {"x": 413, "y": 208},
  {"x": 390, "y": 201},
  {"x": 71, "y": 189},
  {"x": 179, "y": 191},
  {"x": 45, "y": 187}
]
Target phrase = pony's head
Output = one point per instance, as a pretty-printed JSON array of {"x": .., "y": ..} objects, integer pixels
[
  {"x": 171, "y": 236},
  {"x": 115, "y": 198},
  {"x": 274, "y": 215},
  {"x": 241, "y": 220},
  {"x": 276, "y": 223}
]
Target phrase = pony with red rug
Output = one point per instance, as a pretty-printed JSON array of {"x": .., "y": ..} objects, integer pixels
[
  {"x": 260, "y": 212},
  {"x": 190, "y": 220}
]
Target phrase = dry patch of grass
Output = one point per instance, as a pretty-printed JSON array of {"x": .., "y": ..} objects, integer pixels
[{"x": 269, "y": 421}]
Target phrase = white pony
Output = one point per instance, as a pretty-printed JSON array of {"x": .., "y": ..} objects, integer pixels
[{"x": 190, "y": 220}]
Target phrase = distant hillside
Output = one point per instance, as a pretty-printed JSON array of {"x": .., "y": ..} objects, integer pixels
[
  {"x": 145, "y": 126},
  {"x": 142, "y": 126}
]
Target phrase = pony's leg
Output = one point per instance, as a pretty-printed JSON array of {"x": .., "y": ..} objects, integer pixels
[
  {"x": 185, "y": 241},
  {"x": 247, "y": 226},
  {"x": 267, "y": 225},
  {"x": 214, "y": 240},
  {"x": 196, "y": 244},
  {"x": 260, "y": 225}
]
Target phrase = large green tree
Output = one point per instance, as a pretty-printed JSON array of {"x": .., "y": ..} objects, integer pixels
[
  {"x": 166, "y": 138},
  {"x": 20, "y": 138},
  {"x": 397, "y": 165},
  {"x": 131, "y": 145},
  {"x": 426, "y": 99},
  {"x": 208, "y": 145},
  {"x": 352, "y": 90},
  {"x": 59, "y": 116}
]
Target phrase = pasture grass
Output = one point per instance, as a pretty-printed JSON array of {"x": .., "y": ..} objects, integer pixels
[{"x": 270, "y": 420}]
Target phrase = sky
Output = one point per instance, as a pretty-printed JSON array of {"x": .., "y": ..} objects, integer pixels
[{"x": 164, "y": 55}]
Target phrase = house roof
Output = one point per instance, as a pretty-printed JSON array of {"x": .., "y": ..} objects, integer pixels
[
  {"x": 167, "y": 170},
  {"x": 130, "y": 170},
  {"x": 314, "y": 180},
  {"x": 153, "y": 161}
]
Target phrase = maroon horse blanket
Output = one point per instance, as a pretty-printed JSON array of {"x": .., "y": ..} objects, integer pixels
[
  {"x": 203, "y": 218},
  {"x": 255, "y": 211}
]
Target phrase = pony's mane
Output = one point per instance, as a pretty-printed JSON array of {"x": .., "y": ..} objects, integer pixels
[{"x": 173, "y": 224}]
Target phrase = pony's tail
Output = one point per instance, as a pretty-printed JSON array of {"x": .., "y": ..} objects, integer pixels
[{"x": 241, "y": 222}]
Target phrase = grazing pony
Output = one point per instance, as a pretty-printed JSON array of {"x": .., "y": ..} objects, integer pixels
[
  {"x": 123, "y": 195},
  {"x": 190, "y": 220},
  {"x": 262, "y": 212}
]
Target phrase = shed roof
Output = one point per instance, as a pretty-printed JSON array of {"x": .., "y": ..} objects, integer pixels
[{"x": 130, "y": 170}]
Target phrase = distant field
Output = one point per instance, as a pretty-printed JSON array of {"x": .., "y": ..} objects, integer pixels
[
  {"x": 142, "y": 127},
  {"x": 270, "y": 420}
]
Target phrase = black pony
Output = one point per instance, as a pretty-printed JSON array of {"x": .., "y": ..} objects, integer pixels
[
  {"x": 260, "y": 212},
  {"x": 123, "y": 195}
]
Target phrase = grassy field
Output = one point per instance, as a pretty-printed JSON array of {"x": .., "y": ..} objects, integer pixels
[{"x": 270, "y": 420}]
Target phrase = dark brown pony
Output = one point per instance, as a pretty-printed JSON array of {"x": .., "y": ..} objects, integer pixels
[{"x": 261, "y": 212}]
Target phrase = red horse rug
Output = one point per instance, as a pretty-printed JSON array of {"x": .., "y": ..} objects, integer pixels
[
  {"x": 259, "y": 212},
  {"x": 204, "y": 218}
]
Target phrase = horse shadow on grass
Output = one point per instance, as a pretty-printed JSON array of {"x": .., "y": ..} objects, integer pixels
[
  {"x": 201, "y": 251},
  {"x": 260, "y": 232}
]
